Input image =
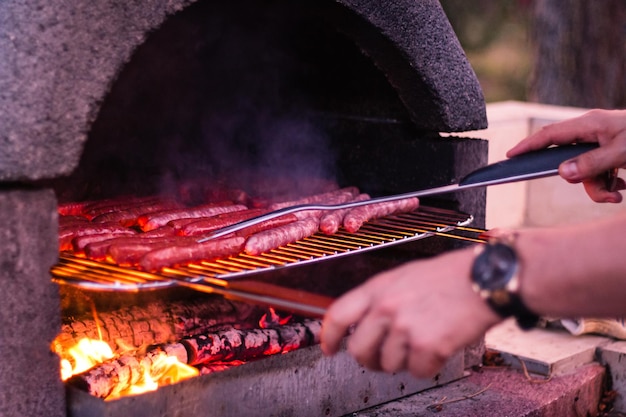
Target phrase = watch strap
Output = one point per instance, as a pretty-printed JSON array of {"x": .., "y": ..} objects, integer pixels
[
  {"x": 506, "y": 302},
  {"x": 515, "y": 307}
]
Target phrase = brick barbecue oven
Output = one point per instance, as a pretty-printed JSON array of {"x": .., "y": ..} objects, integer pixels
[{"x": 100, "y": 99}]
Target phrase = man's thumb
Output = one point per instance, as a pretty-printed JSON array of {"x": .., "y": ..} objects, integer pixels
[{"x": 569, "y": 170}]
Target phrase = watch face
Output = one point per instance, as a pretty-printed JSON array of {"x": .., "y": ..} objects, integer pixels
[{"x": 494, "y": 267}]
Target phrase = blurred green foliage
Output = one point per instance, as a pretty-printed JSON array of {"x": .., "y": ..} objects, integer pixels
[{"x": 495, "y": 37}]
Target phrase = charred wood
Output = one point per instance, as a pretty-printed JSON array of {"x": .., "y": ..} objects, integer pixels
[
  {"x": 210, "y": 352},
  {"x": 235, "y": 344},
  {"x": 111, "y": 378},
  {"x": 158, "y": 322}
]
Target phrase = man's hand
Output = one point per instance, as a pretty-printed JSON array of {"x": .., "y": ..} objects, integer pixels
[
  {"x": 413, "y": 317},
  {"x": 605, "y": 127}
]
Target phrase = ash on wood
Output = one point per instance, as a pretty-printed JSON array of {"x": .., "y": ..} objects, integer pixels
[{"x": 250, "y": 344}]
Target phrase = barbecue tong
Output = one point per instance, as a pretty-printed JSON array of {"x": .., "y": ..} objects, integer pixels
[{"x": 528, "y": 166}]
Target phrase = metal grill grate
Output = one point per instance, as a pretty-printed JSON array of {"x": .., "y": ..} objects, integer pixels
[{"x": 392, "y": 230}]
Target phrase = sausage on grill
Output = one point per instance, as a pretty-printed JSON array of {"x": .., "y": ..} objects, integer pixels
[
  {"x": 336, "y": 199},
  {"x": 196, "y": 226},
  {"x": 332, "y": 220},
  {"x": 67, "y": 234},
  {"x": 72, "y": 220},
  {"x": 318, "y": 198},
  {"x": 98, "y": 250},
  {"x": 101, "y": 249},
  {"x": 79, "y": 243},
  {"x": 152, "y": 221},
  {"x": 163, "y": 231},
  {"x": 273, "y": 238},
  {"x": 129, "y": 253},
  {"x": 204, "y": 227},
  {"x": 128, "y": 216},
  {"x": 355, "y": 218},
  {"x": 99, "y": 243},
  {"x": 183, "y": 254},
  {"x": 267, "y": 225},
  {"x": 118, "y": 204}
]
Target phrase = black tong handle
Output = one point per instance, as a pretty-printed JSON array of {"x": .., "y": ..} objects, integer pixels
[
  {"x": 534, "y": 164},
  {"x": 537, "y": 164}
]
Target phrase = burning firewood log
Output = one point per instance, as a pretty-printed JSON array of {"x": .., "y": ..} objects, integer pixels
[
  {"x": 249, "y": 344},
  {"x": 111, "y": 378},
  {"x": 117, "y": 375},
  {"x": 156, "y": 323}
]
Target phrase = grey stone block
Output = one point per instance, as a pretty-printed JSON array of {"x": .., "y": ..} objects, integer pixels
[
  {"x": 30, "y": 383},
  {"x": 60, "y": 60}
]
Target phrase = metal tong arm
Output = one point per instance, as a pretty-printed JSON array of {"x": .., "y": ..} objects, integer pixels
[
  {"x": 531, "y": 165},
  {"x": 293, "y": 209}
]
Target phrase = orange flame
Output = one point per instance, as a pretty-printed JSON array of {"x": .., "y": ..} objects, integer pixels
[
  {"x": 82, "y": 356},
  {"x": 170, "y": 370},
  {"x": 164, "y": 371},
  {"x": 88, "y": 353},
  {"x": 272, "y": 319},
  {"x": 146, "y": 383}
]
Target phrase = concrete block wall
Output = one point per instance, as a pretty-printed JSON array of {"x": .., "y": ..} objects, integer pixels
[{"x": 30, "y": 383}]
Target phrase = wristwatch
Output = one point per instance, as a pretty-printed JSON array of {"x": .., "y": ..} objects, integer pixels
[{"x": 495, "y": 277}]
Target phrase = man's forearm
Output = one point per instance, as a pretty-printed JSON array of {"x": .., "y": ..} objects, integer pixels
[{"x": 577, "y": 270}]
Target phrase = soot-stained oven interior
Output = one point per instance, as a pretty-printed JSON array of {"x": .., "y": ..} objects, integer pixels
[
  {"x": 258, "y": 94},
  {"x": 278, "y": 95}
]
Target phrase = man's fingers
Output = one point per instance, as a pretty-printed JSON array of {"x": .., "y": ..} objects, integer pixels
[
  {"x": 560, "y": 133},
  {"x": 594, "y": 163},
  {"x": 365, "y": 343},
  {"x": 598, "y": 192},
  {"x": 595, "y": 126},
  {"x": 539, "y": 140},
  {"x": 424, "y": 363},
  {"x": 344, "y": 312},
  {"x": 395, "y": 349}
]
